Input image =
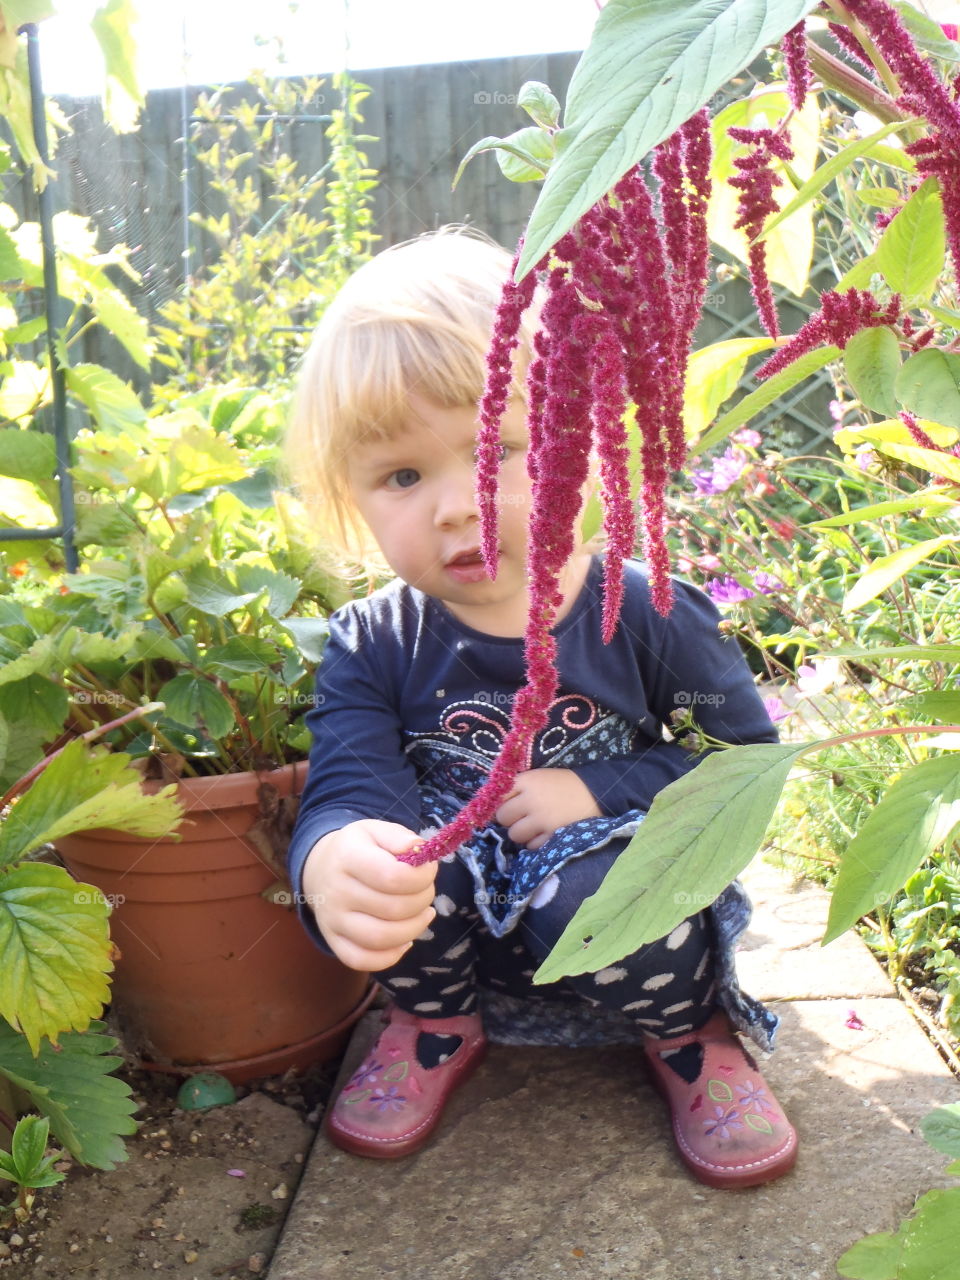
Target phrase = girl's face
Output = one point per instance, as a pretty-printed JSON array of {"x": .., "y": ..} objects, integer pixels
[{"x": 416, "y": 494}]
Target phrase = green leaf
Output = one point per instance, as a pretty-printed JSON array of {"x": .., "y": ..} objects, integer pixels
[
  {"x": 915, "y": 815},
  {"x": 941, "y": 1128},
  {"x": 528, "y": 155},
  {"x": 200, "y": 458},
  {"x": 871, "y": 360},
  {"x": 938, "y": 704},
  {"x": 112, "y": 402},
  {"x": 932, "y": 460},
  {"x": 195, "y": 703},
  {"x": 240, "y": 655},
  {"x": 885, "y": 570},
  {"x": 929, "y": 385},
  {"x": 88, "y": 1109},
  {"x": 309, "y": 635},
  {"x": 121, "y": 319},
  {"x": 112, "y": 25},
  {"x": 29, "y": 1142},
  {"x": 55, "y": 943},
  {"x": 949, "y": 653},
  {"x": 212, "y": 592},
  {"x": 930, "y": 502},
  {"x": 875, "y": 1257},
  {"x": 829, "y": 170},
  {"x": 282, "y": 590},
  {"x": 701, "y": 831},
  {"x": 520, "y": 153},
  {"x": 27, "y": 455},
  {"x": 713, "y": 374},
  {"x": 539, "y": 103},
  {"x": 910, "y": 254},
  {"x": 649, "y": 67},
  {"x": 35, "y": 701},
  {"x": 930, "y": 1245},
  {"x": 11, "y": 264},
  {"x": 927, "y": 33},
  {"x": 767, "y": 393},
  {"x": 81, "y": 789}
]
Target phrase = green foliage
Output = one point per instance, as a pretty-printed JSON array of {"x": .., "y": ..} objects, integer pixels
[
  {"x": 701, "y": 830},
  {"x": 648, "y": 68},
  {"x": 925, "y": 1246},
  {"x": 279, "y": 257}
]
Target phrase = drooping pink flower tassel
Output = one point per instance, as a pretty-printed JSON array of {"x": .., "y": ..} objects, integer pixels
[
  {"x": 841, "y": 316},
  {"x": 793, "y": 46},
  {"x": 514, "y": 301},
  {"x": 755, "y": 182},
  {"x": 561, "y": 469}
]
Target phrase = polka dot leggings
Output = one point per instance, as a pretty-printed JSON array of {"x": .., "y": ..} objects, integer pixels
[{"x": 667, "y": 986}]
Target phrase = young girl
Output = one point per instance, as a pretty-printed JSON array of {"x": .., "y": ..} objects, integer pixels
[{"x": 413, "y": 701}]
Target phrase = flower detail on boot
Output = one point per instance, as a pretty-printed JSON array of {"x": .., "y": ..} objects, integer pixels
[{"x": 386, "y": 1120}]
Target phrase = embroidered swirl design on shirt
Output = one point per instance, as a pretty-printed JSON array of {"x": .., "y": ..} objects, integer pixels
[{"x": 457, "y": 755}]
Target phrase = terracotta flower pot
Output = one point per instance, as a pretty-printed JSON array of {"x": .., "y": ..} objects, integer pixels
[{"x": 211, "y": 973}]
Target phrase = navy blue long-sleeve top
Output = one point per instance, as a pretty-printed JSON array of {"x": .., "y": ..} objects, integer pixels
[{"x": 407, "y": 696}]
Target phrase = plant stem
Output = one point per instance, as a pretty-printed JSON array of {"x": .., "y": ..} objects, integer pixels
[{"x": 843, "y": 79}]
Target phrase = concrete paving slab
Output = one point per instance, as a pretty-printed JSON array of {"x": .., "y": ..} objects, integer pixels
[
  {"x": 559, "y": 1163},
  {"x": 781, "y": 957}
]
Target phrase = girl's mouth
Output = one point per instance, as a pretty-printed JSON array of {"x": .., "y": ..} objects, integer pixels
[{"x": 467, "y": 567}]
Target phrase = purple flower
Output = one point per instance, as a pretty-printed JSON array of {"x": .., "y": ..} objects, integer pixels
[
  {"x": 752, "y": 1095},
  {"x": 723, "y": 1122},
  {"x": 766, "y": 583},
  {"x": 747, "y": 437},
  {"x": 388, "y": 1099},
  {"x": 776, "y": 708},
  {"x": 727, "y": 590},
  {"x": 724, "y": 473}
]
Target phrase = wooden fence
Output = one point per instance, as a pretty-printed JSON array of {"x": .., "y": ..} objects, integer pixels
[{"x": 139, "y": 189}]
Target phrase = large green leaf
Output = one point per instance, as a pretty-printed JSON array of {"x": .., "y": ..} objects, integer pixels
[
  {"x": 27, "y": 455},
  {"x": 282, "y": 590},
  {"x": 241, "y": 655},
  {"x": 919, "y": 811},
  {"x": 35, "y": 701},
  {"x": 701, "y": 831},
  {"x": 713, "y": 374},
  {"x": 88, "y": 1109},
  {"x": 871, "y": 360},
  {"x": 213, "y": 593},
  {"x": 768, "y": 391},
  {"x": 929, "y": 386},
  {"x": 650, "y": 65},
  {"x": 81, "y": 789},
  {"x": 941, "y": 1128},
  {"x": 948, "y": 653},
  {"x": 875, "y": 1257},
  {"x": 112, "y": 402},
  {"x": 55, "y": 943},
  {"x": 911, "y": 251},
  {"x": 886, "y": 570},
  {"x": 938, "y": 704},
  {"x": 200, "y": 458},
  {"x": 925, "y": 1247},
  {"x": 932, "y": 460},
  {"x": 309, "y": 635},
  {"x": 197, "y": 704}
]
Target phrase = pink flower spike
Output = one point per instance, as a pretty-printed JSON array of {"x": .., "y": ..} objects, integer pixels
[
  {"x": 853, "y": 1021},
  {"x": 793, "y": 46}
]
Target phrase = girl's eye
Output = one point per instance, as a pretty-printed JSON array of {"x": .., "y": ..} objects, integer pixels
[{"x": 403, "y": 479}]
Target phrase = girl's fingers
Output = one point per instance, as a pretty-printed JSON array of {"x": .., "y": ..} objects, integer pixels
[
  {"x": 372, "y": 934},
  {"x": 387, "y": 906}
]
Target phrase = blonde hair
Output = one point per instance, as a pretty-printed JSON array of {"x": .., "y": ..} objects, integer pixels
[{"x": 417, "y": 319}]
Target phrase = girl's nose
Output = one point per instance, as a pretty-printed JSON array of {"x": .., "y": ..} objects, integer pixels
[{"x": 456, "y": 502}]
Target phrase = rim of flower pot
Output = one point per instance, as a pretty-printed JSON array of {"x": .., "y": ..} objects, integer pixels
[{"x": 232, "y": 790}]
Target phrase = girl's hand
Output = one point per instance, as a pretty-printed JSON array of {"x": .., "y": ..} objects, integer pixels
[
  {"x": 542, "y": 801},
  {"x": 369, "y": 906}
]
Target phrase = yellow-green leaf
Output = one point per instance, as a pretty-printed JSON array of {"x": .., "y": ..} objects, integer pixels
[
  {"x": 55, "y": 942},
  {"x": 886, "y": 570},
  {"x": 713, "y": 375},
  {"x": 112, "y": 25}
]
